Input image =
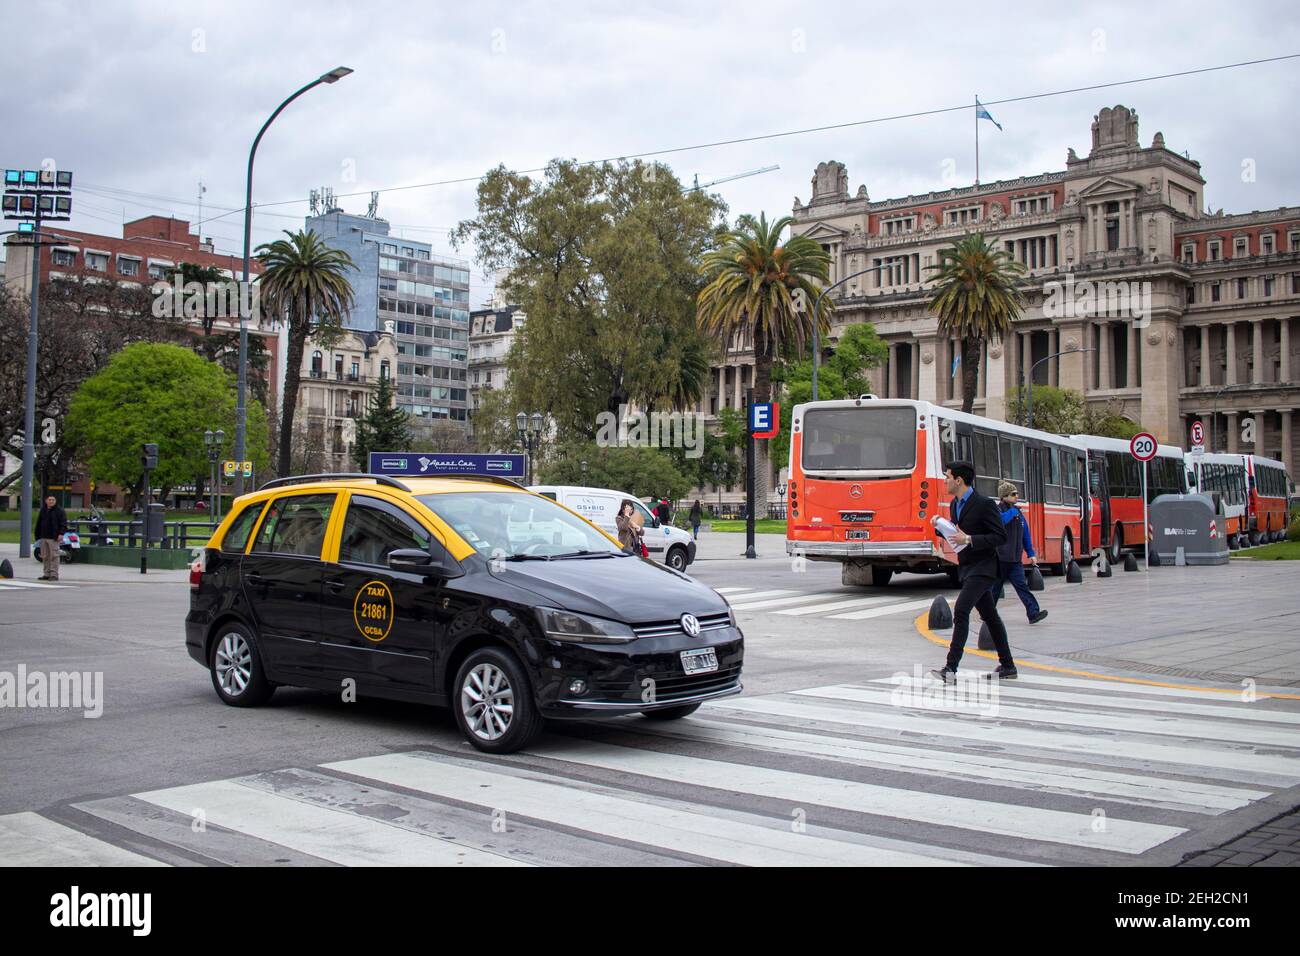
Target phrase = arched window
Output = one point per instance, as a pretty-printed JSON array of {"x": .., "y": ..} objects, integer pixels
[
  {"x": 384, "y": 369},
  {"x": 317, "y": 362}
]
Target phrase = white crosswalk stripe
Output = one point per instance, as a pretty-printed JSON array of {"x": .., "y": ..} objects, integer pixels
[
  {"x": 891, "y": 771},
  {"x": 844, "y": 604},
  {"x": 15, "y": 584}
]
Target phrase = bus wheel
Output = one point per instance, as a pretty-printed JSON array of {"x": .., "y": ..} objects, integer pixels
[
  {"x": 1067, "y": 555},
  {"x": 880, "y": 576},
  {"x": 1233, "y": 543},
  {"x": 1116, "y": 545}
]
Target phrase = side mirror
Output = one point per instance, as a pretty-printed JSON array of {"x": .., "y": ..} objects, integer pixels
[{"x": 434, "y": 563}]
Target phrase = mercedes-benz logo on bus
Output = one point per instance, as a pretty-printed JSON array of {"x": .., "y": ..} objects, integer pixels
[
  {"x": 690, "y": 625},
  {"x": 855, "y": 491}
]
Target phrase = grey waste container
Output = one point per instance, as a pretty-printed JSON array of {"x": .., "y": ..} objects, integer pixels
[{"x": 1189, "y": 523}]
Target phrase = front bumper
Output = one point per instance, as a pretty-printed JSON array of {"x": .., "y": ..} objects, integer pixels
[{"x": 645, "y": 674}]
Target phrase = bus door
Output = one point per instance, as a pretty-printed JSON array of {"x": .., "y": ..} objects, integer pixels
[
  {"x": 1087, "y": 536},
  {"x": 1100, "y": 494},
  {"x": 1036, "y": 494}
]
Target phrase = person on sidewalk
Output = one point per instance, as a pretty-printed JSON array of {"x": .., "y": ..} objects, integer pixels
[
  {"x": 980, "y": 532},
  {"x": 629, "y": 530},
  {"x": 1010, "y": 566},
  {"x": 51, "y": 523},
  {"x": 697, "y": 515}
]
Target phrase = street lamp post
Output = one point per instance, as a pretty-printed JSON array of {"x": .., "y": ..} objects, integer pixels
[
  {"x": 530, "y": 438},
  {"x": 816, "y": 339},
  {"x": 1028, "y": 388},
  {"x": 241, "y": 411},
  {"x": 213, "y": 441}
]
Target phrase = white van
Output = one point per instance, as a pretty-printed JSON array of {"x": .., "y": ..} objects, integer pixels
[{"x": 673, "y": 546}]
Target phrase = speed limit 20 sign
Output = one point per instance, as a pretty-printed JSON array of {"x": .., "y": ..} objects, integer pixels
[{"x": 1143, "y": 446}]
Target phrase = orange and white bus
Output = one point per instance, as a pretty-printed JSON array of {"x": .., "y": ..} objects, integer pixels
[
  {"x": 1115, "y": 487},
  {"x": 1225, "y": 476},
  {"x": 866, "y": 475},
  {"x": 1266, "y": 507}
]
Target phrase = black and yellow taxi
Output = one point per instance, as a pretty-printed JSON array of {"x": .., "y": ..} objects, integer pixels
[{"x": 466, "y": 592}]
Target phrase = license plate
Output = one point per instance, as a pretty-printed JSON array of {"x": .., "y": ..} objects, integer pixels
[
  {"x": 700, "y": 662},
  {"x": 857, "y": 535}
]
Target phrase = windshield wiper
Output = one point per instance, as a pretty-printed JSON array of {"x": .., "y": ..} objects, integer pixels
[
  {"x": 585, "y": 554},
  {"x": 527, "y": 557}
]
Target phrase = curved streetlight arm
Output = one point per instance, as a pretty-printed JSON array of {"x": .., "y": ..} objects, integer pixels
[
  {"x": 241, "y": 410},
  {"x": 816, "y": 305},
  {"x": 1028, "y": 385}
]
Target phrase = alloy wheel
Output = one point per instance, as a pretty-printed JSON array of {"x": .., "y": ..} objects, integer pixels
[
  {"x": 488, "y": 701},
  {"x": 234, "y": 663}
]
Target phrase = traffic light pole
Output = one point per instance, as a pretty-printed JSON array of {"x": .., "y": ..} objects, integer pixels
[{"x": 29, "y": 411}]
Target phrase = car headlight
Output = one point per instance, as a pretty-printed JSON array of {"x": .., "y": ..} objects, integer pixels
[
  {"x": 731, "y": 613},
  {"x": 581, "y": 629}
]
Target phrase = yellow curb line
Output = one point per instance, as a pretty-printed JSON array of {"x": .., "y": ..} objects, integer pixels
[{"x": 923, "y": 628}]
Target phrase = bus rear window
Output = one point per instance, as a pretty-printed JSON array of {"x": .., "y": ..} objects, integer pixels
[{"x": 859, "y": 439}]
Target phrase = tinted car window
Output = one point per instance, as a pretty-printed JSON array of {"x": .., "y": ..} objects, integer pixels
[
  {"x": 295, "y": 525},
  {"x": 373, "y": 528},
  {"x": 236, "y": 538},
  {"x": 510, "y": 524}
]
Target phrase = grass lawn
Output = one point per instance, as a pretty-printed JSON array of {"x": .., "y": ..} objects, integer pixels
[
  {"x": 1278, "y": 551},
  {"x": 761, "y": 526}
]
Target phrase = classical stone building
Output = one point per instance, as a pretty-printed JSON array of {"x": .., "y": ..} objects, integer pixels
[
  {"x": 334, "y": 391},
  {"x": 1186, "y": 313}
]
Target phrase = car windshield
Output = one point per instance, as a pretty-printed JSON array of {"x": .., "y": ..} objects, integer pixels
[{"x": 519, "y": 526}]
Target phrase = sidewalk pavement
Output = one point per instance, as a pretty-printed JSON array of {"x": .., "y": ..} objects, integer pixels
[{"x": 78, "y": 573}]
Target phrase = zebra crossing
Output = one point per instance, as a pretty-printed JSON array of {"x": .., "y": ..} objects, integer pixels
[
  {"x": 842, "y": 604},
  {"x": 13, "y": 584},
  {"x": 893, "y": 770}
]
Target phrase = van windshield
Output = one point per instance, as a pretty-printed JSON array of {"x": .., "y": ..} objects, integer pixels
[
  {"x": 516, "y": 525},
  {"x": 859, "y": 439}
]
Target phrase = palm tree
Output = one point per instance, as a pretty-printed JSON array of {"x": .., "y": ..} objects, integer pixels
[
  {"x": 305, "y": 283},
  {"x": 976, "y": 297},
  {"x": 764, "y": 290}
]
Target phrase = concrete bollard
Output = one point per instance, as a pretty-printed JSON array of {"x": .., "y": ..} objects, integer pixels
[
  {"x": 986, "y": 639},
  {"x": 1034, "y": 578},
  {"x": 1072, "y": 573},
  {"x": 6, "y": 569},
  {"x": 1155, "y": 559},
  {"x": 1130, "y": 561},
  {"x": 940, "y": 614},
  {"x": 1102, "y": 566}
]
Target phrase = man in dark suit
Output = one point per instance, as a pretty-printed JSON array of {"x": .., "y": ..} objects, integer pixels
[{"x": 981, "y": 531}]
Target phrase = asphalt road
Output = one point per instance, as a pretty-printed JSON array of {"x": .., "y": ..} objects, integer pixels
[{"x": 836, "y": 753}]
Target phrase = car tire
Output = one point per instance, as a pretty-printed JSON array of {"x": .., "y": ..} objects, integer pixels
[
  {"x": 880, "y": 576},
  {"x": 488, "y": 681},
  {"x": 671, "y": 713},
  {"x": 236, "y": 666},
  {"x": 676, "y": 558}
]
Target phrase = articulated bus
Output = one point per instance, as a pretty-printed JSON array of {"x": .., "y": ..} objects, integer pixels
[
  {"x": 1253, "y": 491},
  {"x": 1225, "y": 476},
  {"x": 866, "y": 475},
  {"x": 1115, "y": 487}
]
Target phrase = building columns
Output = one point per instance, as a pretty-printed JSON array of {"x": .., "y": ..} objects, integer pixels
[
  {"x": 916, "y": 370},
  {"x": 1230, "y": 428},
  {"x": 1230, "y": 353},
  {"x": 1284, "y": 353},
  {"x": 1053, "y": 365},
  {"x": 1103, "y": 356},
  {"x": 1257, "y": 372},
  {"x": 1286, "y": 438},
  {"x": 1131, "y": 356},
  {"x": 1205, "y": 356}
]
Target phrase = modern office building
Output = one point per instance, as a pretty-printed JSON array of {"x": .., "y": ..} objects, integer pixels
[{"x": 424, "y": 299}]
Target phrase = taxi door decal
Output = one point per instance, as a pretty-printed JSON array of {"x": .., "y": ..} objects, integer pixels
[{"x": 372, "y": 610}]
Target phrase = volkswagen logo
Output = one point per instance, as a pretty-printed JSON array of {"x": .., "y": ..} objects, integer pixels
[
  {"x": 690, "y": 625},
  {"x": 855, "y": 491}
]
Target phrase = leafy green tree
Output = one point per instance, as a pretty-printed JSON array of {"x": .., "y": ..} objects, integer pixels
[
  {"x": 306, "y": 284},
  {"x": 762, "y": 290},
  {"x": 156, "y": 393},
  {"x": 606, "y": 258},
  {"x": 842, "y": 375},
  {"x": 976, "y": 297},
  {"x": 636, "y": 471},
  {"x": 1063, "y": 411},
  {"x": 384, "y": 427}
]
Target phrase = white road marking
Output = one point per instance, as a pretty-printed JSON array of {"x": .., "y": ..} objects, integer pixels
[
  {"x": 29, "y": 839},
  {"x": 882, "y": 611}
]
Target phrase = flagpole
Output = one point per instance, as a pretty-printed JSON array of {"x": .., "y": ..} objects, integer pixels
[{"x": 977, "y": 139}]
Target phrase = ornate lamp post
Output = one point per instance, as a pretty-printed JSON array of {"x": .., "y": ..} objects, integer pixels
[{"x": 530, "y": 437}]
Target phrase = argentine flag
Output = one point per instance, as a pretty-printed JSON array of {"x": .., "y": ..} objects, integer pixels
[{"x": 982, "y": 113}]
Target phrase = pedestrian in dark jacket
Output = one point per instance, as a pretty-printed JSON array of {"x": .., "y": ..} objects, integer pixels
[
  {"x": 980, "y": 532},
  {"x": 51, "y": 523},
  {"x": 1019, "y": 542},
  {"x": 629, "y": 530},
  {"x": 697, "y": 515}
]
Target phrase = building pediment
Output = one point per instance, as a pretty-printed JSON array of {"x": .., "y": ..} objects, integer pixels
[
  {"x": 1109, "y": 186},
  {"x": 824, "y": 232}
]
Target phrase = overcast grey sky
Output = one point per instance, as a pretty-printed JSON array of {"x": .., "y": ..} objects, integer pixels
[{"x": 152, "y": 97}]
